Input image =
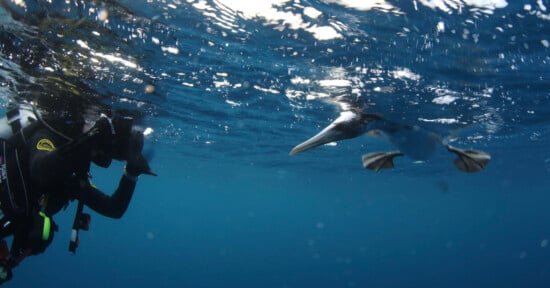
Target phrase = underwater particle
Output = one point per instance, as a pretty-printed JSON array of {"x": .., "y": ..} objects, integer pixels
[
  {"x": 82, "y": 44},
  {"x": 150, "y": 235},
  {"x": 443, "y": 186},
  {"x": 320, "y": 225},
  {"x": 149, "y": 89},
  {"x": 544, "y": 243},
  {"x": 232, "y": 103},
  {"x": 311, "y": 242},
  {"x": 172, "y": 50},
  {"x": 545, "y": 43},
  {"x": 103, "y": 15},
  {"x": 522, "y": 255},
  {"x": 440, "y": 26},
  {"x": 148, "y": 131}
]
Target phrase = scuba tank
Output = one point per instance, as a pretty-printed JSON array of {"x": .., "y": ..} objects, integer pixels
[
  {"x": 15, "y": 120},
  {"x": 12, "y": 134},
  {"x": 13, "y": 192},
  {"x": 16, "y": 200}
]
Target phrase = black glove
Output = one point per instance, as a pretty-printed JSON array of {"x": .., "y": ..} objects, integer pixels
[
  {"x": 136, "y": 166},
  {"x": 5, "y": 271}
]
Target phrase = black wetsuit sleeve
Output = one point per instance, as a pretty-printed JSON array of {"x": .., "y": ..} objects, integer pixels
[
  {"x": 112, "y": 206},
  {"x": 49, "y": 167}
]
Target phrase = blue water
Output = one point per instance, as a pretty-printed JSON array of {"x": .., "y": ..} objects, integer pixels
[{"x": 238, "y": 83}]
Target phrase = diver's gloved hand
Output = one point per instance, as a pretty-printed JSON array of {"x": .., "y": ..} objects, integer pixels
[
  {"x": 136, "y": 166},
  {"x": 5, "y": 271}
]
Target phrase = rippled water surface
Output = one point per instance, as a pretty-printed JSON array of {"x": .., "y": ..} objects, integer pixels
[{"x": 228, "y": 87}]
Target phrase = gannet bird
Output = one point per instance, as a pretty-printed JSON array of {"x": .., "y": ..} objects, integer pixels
[{"x": 412, "y": 141}]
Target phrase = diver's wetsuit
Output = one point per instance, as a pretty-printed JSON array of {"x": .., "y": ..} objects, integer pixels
[
  {"x": 42, "y": 170},
  {"x": 60, "y": 178},
  {"x": 52, "y": 177}
]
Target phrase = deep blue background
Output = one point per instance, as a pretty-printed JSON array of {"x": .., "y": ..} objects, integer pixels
[{"x": 231, "y": 208}]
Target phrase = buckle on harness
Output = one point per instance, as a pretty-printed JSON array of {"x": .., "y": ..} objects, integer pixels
[
  {"x": 4, "y": 224},
  {"x": 13, "y": 120}
]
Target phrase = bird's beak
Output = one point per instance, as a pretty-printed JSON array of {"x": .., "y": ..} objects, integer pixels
[
  {"x": 350, "y": 124},
  {"x": 327, "y": 135}
]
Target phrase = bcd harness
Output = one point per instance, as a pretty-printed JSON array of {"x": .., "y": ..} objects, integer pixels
[{"x": 15, "y": 200}]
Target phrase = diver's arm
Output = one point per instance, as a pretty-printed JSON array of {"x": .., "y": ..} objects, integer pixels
[{"x": 112, "y": 206}]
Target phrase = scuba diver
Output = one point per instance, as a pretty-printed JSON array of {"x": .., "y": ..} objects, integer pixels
[{"x": 42, "y": 169}]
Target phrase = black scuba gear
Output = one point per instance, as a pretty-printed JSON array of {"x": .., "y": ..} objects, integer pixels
[
  {"x": 106, "y": 140},
  {"x": 122, "y": 139},
  {"x": 69, "y": 180},
  {"x": 5, "y": 271},
  {"x": 128, "y": 145},
  {"x": 138, "y": 165},
  {"x": 102, "y": 146},
  {"x": 52, "y": 168},
  {"x": 41, "y": 170},
  {"x": 34, "y": 233}
]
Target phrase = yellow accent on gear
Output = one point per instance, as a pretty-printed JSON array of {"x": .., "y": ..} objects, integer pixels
[
  {"x": 45, "y": 145},
  {"x": 47, "y": 226}
]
